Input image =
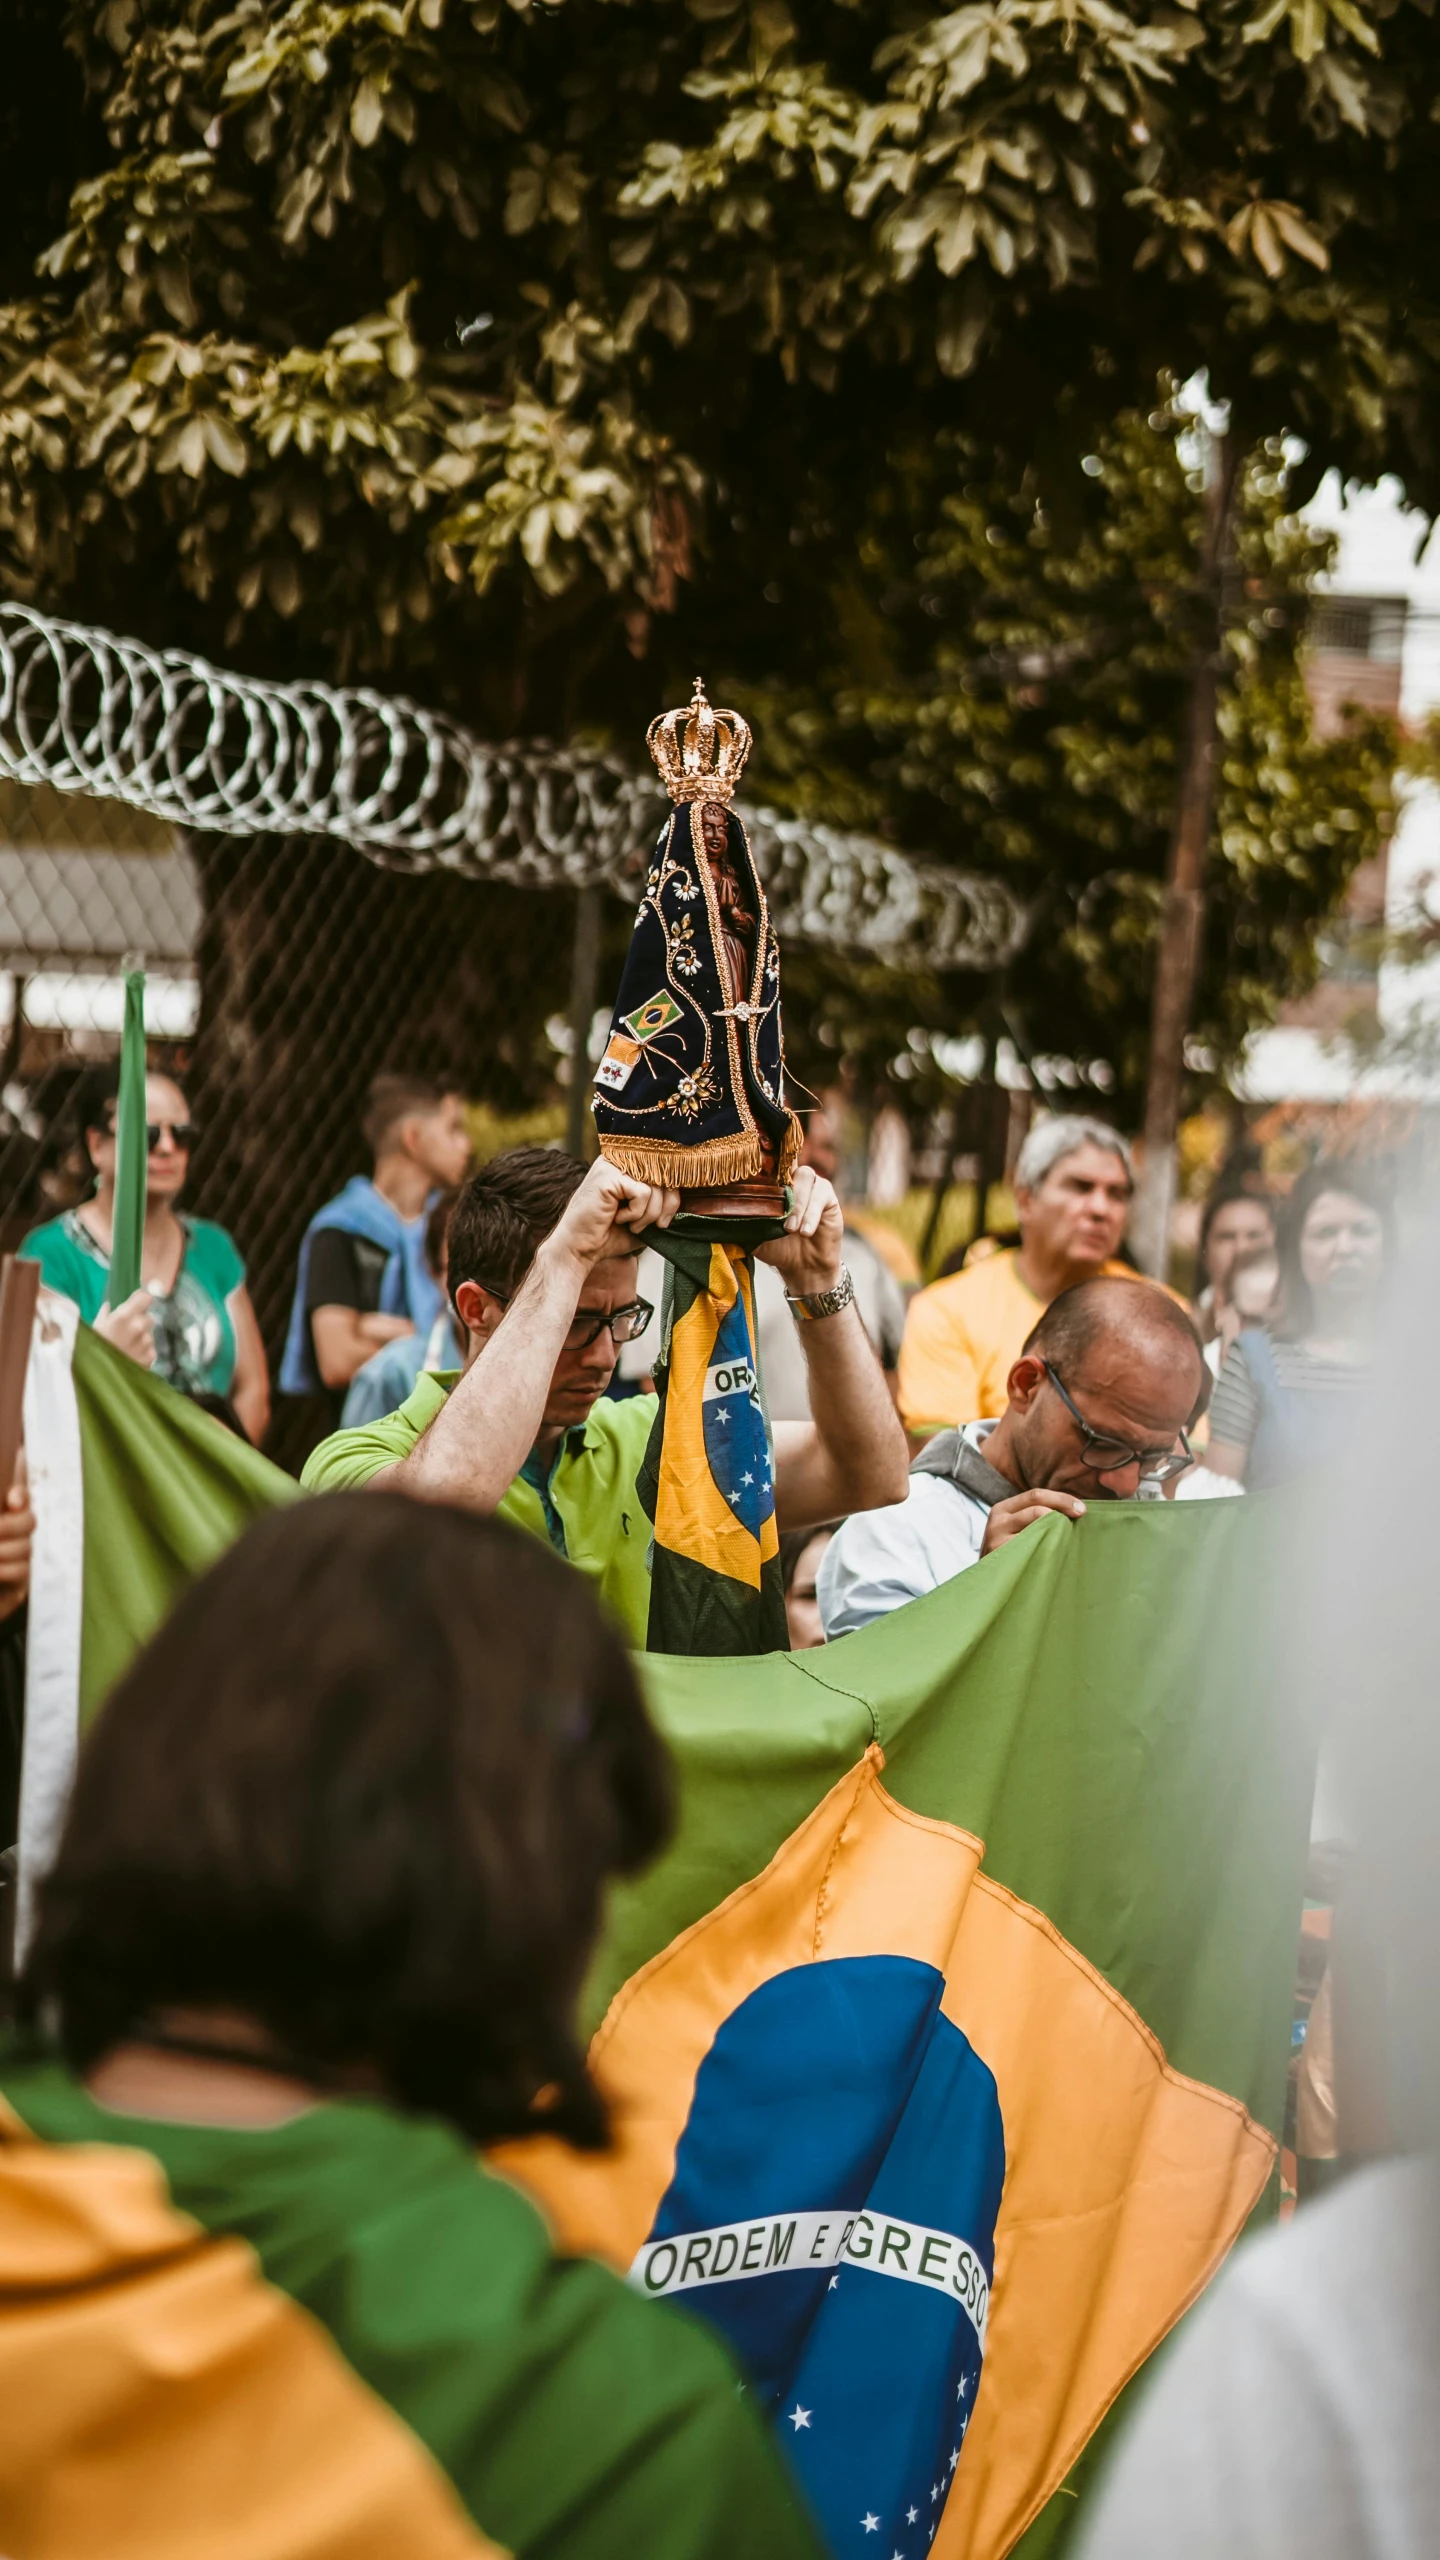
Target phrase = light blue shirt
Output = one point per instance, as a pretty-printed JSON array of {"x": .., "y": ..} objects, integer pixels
[
  {"x": 387, "y": 1379},
  {"x": 877, "y": 1560}
]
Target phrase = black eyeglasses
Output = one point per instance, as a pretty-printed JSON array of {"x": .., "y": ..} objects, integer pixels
[
  {"x": 623, "y": 1324},
  {"x": 1106, "y": 1457}
]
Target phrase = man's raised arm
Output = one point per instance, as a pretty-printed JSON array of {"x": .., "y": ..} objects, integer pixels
[
  {"x": 480, "y": 1439},
  {"x": 852, "y": 1454}
]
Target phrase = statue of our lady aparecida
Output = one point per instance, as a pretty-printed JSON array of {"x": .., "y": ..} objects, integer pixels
[{"x": 690, "y": 1092}]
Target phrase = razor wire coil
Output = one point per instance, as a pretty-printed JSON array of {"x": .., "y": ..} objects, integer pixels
[{"x": 205, "y": 748}]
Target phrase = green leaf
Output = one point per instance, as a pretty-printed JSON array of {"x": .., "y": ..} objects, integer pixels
[
  {"x": 367, "y": 113},
  {"x": 224, "y": 443},
  {"x": 525, "y": 199},
  {"x": 1297, "y": 235}
]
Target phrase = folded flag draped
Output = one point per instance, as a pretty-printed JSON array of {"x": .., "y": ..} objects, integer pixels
[
  {"x": 946, "y": 2046},
  {"x": 337, "y": 2343},
  {"x": 707, "y": 1482}
]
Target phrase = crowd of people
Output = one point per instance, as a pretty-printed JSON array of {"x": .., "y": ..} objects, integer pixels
[
  {"x": 1044, "y": 1373},
  {"x": 336, "y": 1853}
]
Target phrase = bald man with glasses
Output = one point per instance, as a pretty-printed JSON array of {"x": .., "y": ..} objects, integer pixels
[
  {"x": 543, "y": 1274},
  {"x": 1100, "y": 1402}
]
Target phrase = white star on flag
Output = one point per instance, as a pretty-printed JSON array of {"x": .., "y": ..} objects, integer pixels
[
  {"x": 747, "y": 1477},
  {"x": 962, "y": 2386},
  {"x": 832, "y": 2284},
  {"x": 735, "y": 1498},
  {"x": 722, "y": 1413},
  {"x": 954, "y": 2458},
  {"x": 935, "y": 2492},
  {"x": 870, "y": 2524},
  {"x": 912, "y": 2515},
  {"x": 798, "y": 2417}
]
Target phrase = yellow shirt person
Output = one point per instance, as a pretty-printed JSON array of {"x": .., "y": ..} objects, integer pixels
[{"x": 964, "y": 1334}]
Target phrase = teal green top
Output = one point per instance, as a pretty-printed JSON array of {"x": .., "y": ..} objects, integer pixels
[
  {"x": 194, "y": 1335},
  {"x": 573, "y": 2418},
  {"x": 588, "y": 1508}
]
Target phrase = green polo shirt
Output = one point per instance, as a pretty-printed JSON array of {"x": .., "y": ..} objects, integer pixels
[{"x": 589, "y": 1510}]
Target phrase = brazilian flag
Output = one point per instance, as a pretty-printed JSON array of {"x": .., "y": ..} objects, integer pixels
[
  {"x": 707, "y": 1480},
  {"x": 945, "y": 2048}
]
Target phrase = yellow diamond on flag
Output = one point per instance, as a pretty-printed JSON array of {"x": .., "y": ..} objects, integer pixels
[{"x": 655, "y": 1016}]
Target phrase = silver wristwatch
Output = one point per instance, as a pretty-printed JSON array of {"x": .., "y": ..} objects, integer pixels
[{"x": 823, "y": 1302}]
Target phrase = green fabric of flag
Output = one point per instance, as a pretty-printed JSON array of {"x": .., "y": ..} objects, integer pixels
[
  {"x": 1106, "y": 1704},
  {"x": 132, "y": 1153},
  {"x": 166, "y": 1490},
  {"x": 364, "y": 2337}
]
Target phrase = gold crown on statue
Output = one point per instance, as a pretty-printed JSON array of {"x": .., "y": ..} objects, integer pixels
[{"x": 700, "y": 752}]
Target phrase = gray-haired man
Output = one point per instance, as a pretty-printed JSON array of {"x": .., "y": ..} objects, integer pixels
[{"x": 963, "y": 1336}]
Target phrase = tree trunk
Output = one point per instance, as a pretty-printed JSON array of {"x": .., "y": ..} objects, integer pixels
[{"x": 1177, "y": 958}]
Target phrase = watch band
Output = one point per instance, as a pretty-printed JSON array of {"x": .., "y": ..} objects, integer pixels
[{"x": 823, "y": 1302}]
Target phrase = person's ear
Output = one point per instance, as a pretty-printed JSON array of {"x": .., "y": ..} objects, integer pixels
[
  {"x": 477, "y": 1310},
  {"x": 1025, "y": 1381}
]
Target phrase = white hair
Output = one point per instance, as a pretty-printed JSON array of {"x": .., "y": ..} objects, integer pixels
[{"x": 1061, "y": 1134}]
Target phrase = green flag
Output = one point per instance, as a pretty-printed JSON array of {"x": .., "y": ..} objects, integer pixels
[
  {"x": 135, "y": 1492},
  {"x": 132, "y": 1152}
]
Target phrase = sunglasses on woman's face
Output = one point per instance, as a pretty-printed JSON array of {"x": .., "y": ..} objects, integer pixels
[{"x": 183, "y": 1134}]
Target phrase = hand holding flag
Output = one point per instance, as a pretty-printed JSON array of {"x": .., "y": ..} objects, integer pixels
[{"x": 808, "y": 1255}]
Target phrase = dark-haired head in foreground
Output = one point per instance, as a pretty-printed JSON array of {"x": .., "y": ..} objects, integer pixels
[{"x": 364, "y": 1790}]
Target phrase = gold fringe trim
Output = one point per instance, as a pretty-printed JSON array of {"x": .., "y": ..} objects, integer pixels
[
  {"x": 675, "y": 1168},
  {"x": 790, "y": 1146}
]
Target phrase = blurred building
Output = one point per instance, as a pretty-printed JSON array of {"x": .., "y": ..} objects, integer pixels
[{"x": 1358, "y": 1058}]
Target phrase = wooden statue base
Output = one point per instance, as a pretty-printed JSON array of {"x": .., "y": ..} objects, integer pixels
[{"x": 761, "y": 1197}]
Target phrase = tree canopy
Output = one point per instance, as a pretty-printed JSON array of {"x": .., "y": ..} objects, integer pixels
[
  {"x": 1020, "y": 689},
  {"x": 533, "y": 356}
]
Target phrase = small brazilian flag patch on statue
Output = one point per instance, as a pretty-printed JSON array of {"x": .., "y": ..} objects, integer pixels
[{"x": 653, "y": 1017}]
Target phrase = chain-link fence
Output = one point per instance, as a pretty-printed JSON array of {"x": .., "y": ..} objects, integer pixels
[
  {"x": 323, "y": 882},
  {"x": 282, "y": 974},
  {"x": 82, "y": 885}
]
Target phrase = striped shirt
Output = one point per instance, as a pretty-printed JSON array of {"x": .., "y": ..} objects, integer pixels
[{"x": 1235, "y": 1405}]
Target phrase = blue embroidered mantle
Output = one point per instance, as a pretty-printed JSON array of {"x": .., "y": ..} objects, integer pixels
[{"x": 691, "y": 1089}]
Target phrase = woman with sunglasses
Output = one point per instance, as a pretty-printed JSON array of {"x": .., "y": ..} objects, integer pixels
[{"x": 191, "y": 1319}]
